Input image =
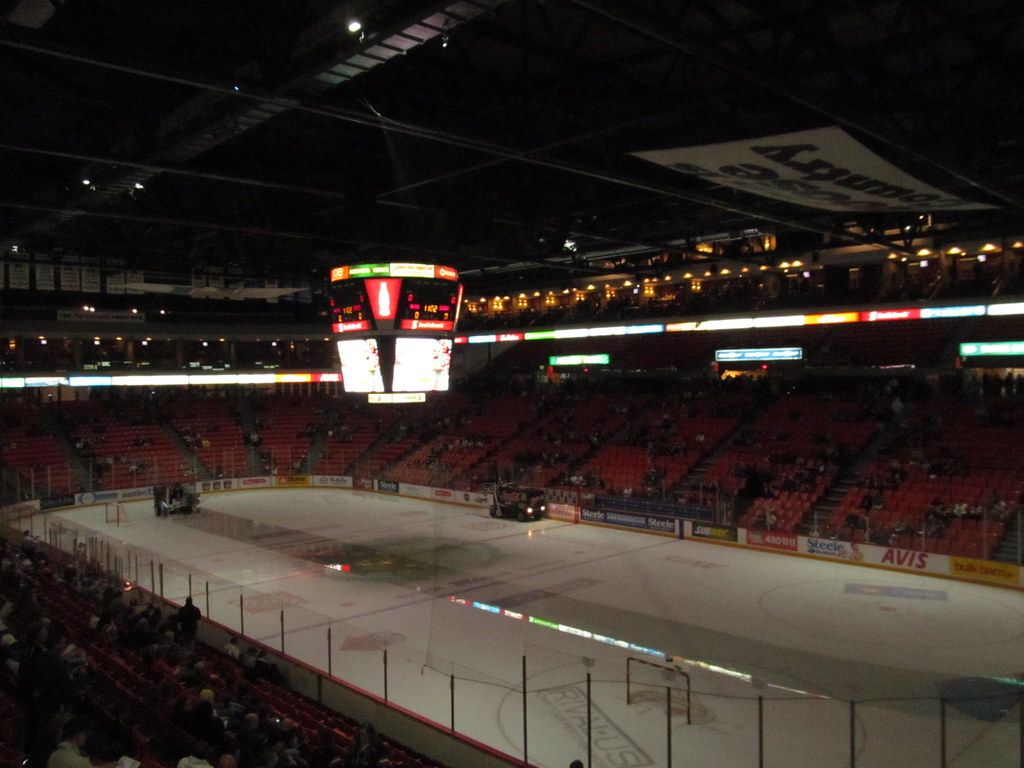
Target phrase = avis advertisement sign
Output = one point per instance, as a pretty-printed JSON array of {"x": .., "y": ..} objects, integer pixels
[
  {"x": 773, "y": 540},
  {"x": 253, "y": 482},
  {"x": 821, "y": 168},
  {"x": 906, "y": 558}
]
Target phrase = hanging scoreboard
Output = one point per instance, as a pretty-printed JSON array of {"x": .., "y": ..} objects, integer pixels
[{"x": 393, "y": 324}]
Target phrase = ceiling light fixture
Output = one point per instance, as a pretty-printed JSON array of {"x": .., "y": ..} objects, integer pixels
[{"x": 354, "y": 26}]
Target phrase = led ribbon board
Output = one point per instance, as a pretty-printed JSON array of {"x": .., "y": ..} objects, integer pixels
[
  {"x": 866, "y": 315},
  {"x": 992, "y": 349},
  {"x": 579, "y": 360},
  {"x": 395, "y": 269},
  {"x": 767, "y": 353},
  {"x": 170, "y": 380}
]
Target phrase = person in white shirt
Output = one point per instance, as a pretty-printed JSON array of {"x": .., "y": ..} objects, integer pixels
[{"x": 68, "y": 753}]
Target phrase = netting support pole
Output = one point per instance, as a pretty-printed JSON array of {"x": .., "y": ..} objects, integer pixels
[
  {"x": 451, "y": 697},
  {"x": 628, "y": 688},
  {"x": 590, "y": 745},
  {"x": 942, "y": 733},
  {"x": 152, "y": 577},
  {"x": 853, "y": 734},
  {"x": 282, "y": 630},
  {"x": 1020, "y": 732},
  {"x": 330, "y": 645},
  {"x": 136, "y": 565},
  {"x": 207, "y": 599},
  {"x": 190, "y": 585},
  {"x": 760, "y": 732},
  {"x": 161, "y": 569},
  {"x": 526, "y": 760},
  {"x": 668, "y": 724},
  {"x": 385, "y": 674}
]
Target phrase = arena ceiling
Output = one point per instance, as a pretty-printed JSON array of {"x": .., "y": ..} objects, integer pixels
[{"x": 498, "y": 136}]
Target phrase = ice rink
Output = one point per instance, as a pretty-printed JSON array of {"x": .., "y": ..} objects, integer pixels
[{"x": 806, "y": 635}]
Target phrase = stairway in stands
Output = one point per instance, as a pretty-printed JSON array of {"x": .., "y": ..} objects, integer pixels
[
  {"x": 1010, "y": 549},
  {"x": 847, "y": 478},
  {"x": 202, "y": 472},
  {"x": 60, "y": 437}
]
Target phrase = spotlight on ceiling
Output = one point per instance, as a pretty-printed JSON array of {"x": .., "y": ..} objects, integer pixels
[
  {"x": 139, "y": 185},
  {"x": 354, "y": 26},
  {"x": 86, "y": 182}
]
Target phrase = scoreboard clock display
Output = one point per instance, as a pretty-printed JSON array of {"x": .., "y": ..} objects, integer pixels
[{"x": 396, "y": 296}]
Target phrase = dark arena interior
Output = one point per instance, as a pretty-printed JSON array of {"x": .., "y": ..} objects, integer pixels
[{"x": 681, "y": 340}]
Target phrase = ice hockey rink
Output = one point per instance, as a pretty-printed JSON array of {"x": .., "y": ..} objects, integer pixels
[{"x": 458, "y": 599}]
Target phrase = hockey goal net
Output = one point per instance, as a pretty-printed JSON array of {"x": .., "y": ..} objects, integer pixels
[
  {"x": 648, "y": 682},
  {"x": 116, "y": 514}
]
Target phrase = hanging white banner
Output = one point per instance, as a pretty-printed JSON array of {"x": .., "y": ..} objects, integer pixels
[
  {"x": 90, "y": 280},
  {"x": 45, "y": 277},
  {"x": 115, "y": 282},
  {"x": 821, "y": 168},
  {"x": 70, "y": 278},
  {"x": 17, "y": 275}
]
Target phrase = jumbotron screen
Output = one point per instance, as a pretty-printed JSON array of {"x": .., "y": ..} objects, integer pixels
[
  {"x": 394, "y": 296},
  {"x": 421, "y": 365},
  {"x": 360, "y": 365}
]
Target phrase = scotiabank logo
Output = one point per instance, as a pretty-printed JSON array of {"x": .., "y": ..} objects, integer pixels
[
  {"x": 254, "y": 481},
  {"x": 893, "y": 314},
  {"x": 442, "y": 493}
]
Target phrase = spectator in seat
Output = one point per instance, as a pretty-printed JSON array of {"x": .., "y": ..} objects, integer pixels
[
  {"x": 367, "y": 750},
  {"x": 231, "y": 648},
  {"x": 200, "y": 757},
  {"x": 188, "y": 622},
  {"x": 68, "y": 753},
  {"x": 324, "y": 756}
]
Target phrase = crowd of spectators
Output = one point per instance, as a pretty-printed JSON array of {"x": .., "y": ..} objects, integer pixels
[{"x": 191, "y": 706}]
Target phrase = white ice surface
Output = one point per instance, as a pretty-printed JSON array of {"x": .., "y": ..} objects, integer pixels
[{"x": 781, "y": 622}]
